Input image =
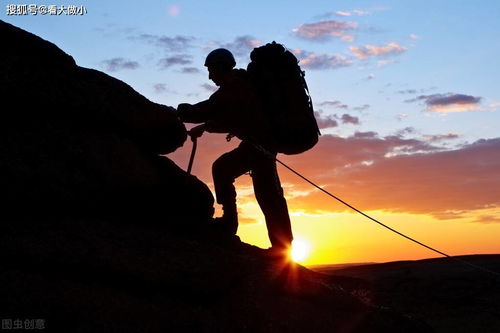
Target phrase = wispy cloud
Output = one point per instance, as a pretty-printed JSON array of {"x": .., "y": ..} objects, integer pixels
[
  {"x": 349, "y": 13},
  {"x": 334, "y": 103},
  {"x": 179, "y": 59},
  {"x": 311, "y": 60},
  {"x": 325, "y": 121},
  {"x": 324, "y": 30},
  {"x": 348, "y": 119},
  {"x": 167, "y": 43},
  {"x": 407, "y": 130},
  {"x": 357, "y": 12},
  {"x": 441, "y": 137},
  {"x": 240, "y": 46},
  {"x": 190, "y": 70},
  {"x": 407, "y": 91},
  {"x": 339, "y": 105},
  {"x": 209, "y": 87},
  {"x": 160, "y": 88},
  {"x": 493, "y": 107},
  {"x": 361, "y": 107},
  {"x": 401, "y": 116},
  {"x": 116, "y": 64},
  {"x": 328, "y": 121},
  {"x": 386, "y": 62},
  {"x": 487, "y": 219},
  {"x": 368, "y": 51},
  {"x": 450, "y": 102},
  {"x": 415, "y": 91}
]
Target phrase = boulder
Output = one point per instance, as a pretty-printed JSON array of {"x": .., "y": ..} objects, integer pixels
[{"x": 76, "y": 141}]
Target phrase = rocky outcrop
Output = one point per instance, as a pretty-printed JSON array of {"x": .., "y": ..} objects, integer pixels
[
  {"x": 75, "y": 141},
  {"x": 101, "y": 234}
]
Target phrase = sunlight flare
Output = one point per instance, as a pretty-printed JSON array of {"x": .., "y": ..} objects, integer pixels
[{"x": 300, "y": 250}]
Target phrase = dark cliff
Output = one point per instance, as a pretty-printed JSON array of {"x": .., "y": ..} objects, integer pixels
[{"x": 77, "y": 141}]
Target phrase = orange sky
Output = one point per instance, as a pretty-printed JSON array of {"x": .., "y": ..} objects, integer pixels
[{"x": 448, "y": 199}]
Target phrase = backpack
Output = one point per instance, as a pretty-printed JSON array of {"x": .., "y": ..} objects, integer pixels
[{"x": 280, "y": 83}]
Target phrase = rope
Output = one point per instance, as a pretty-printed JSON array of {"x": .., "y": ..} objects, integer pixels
[
  {"x": 273, "y": 156},
  {"x": 386, "y": 226},
  {"x": 464, "y": 262}
]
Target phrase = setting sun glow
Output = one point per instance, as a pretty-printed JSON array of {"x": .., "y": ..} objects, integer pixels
[{"x": 300, "y": 250}]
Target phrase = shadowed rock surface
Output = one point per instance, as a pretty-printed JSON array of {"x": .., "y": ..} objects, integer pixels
[
  {"x": 100, "y": 234},
  {"x": 75, "y": 140}
]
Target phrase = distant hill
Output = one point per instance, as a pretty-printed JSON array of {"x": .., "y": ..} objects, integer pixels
[{"x": 446, "y": 294}]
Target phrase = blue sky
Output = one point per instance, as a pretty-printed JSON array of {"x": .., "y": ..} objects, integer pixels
[{"x": 434, "y": 48}]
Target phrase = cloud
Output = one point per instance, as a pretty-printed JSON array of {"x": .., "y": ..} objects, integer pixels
[
  {"x": 420, "y": 178},
  {"x": 368, "y": 51},
  {"x": 316, "y": 61},
  {"x": 190, "y": 70},
  {"x": 179, "y": 59},
  {"x": 324, "y": 30},
  {"x": 347, "y": 119},
  {"x": 407, "y": 91},
  {"x": 402, "y": 116},
  {"x": 325, "y": 121},
  {"x": 386, "y": 62},
  {"x": 406, "y": 130},
  {"x": 240, "y": 46},
  {"x": 341, "y": 13},
  {"x": 353, "y": 12},
  {"x": 209, "y": 87},
  {"x": 441, "y": 137},
  {"x": 450, "y": 102},
  {"x": 172, "y": 44},
  {"x": 365, "y": 135},
  {"x": 361, "y": 107},
  {"x": 116, "y": 64},
  {"x": 413, "y": 36},
  {"x": 334, "y": 103},
  {"x": 340, "y": 105},
  {"x": 493, "y": 107},
  {"x": 487, "y": 219},
  {"x": 160, "y": 88},
  {"x": 332, "y": 120}
]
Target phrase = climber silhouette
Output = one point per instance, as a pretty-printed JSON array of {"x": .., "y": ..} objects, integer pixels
[{"x": 236, "y": 109}]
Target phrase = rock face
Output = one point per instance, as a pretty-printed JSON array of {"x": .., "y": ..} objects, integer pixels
[
  {"x": 76, "y": 141},
  {"x": 100, "y": 234}
]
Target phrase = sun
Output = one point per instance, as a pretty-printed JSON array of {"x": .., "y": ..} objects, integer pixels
[{"x": 300, "y": 250}]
